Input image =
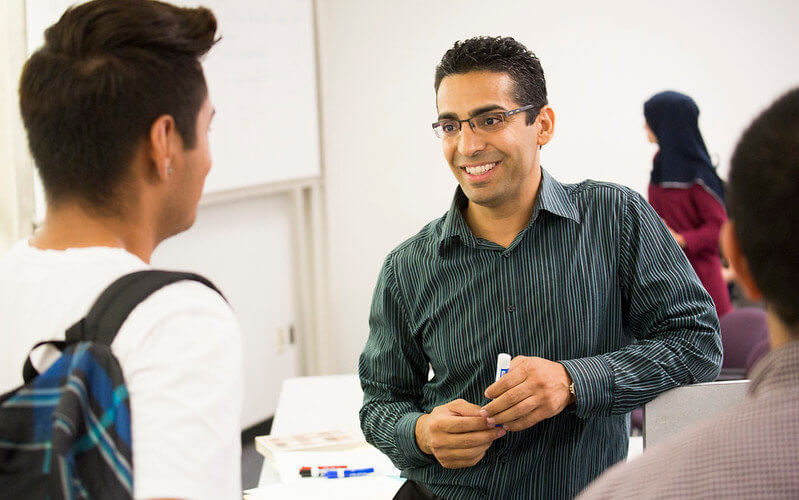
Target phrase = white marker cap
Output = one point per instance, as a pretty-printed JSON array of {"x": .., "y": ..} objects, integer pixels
[{"x": 503, "y": 364}]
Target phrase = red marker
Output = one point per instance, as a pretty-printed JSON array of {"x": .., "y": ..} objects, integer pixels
[{"x": 319, "y": 470}]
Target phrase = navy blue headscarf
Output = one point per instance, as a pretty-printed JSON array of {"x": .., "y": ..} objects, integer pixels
[{"x": 683, "y": 159}]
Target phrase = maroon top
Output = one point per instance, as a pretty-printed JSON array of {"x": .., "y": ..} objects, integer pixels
[{"x": 697, "y": 216}]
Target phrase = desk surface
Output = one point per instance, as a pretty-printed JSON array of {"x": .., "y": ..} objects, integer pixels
[{"x": 311, "y": 404}]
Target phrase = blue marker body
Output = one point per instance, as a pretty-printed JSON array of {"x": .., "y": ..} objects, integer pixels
[{"x": 335, "y": 474}]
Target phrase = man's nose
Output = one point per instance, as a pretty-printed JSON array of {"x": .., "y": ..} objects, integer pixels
[{"x": 470, "y": 142}]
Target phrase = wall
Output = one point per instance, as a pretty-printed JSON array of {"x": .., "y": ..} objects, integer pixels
[
  {"x": 384, "y": 172},
  {"x": 8, "y": 197},
  {"x": 244, "y": 247},
  {"x": 16, "y": 194}
]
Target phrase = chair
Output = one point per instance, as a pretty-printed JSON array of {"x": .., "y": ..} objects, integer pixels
[
  {"x": 678, "y": 408},
  {"x": 637, "y": 420},
  {"x": 744, "y": 338},
  {"x": 741, "y": 331}
]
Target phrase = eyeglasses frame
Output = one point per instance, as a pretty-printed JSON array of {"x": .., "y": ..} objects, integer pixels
[{"x": 507, "y": 115}]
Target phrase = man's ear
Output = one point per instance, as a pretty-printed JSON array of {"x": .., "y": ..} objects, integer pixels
[
  {"x": 732, "y": 250},
  {"x": 546, "y": 118},
  {"x": 162, "y": 145}
]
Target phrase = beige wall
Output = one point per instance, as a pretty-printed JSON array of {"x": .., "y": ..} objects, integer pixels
[
  {"x": 16, "y": 171},
  {"x": 384, "y": 172}
]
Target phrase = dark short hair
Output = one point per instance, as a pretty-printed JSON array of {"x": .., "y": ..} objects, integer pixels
[
  {"x": 499, "y": 55},
  {"x": 764, "y": 203},
  {"x": 107, "y": 70}
]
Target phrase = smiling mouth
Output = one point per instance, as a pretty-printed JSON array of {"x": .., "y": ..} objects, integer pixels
[{"x": 480, "y": 169}]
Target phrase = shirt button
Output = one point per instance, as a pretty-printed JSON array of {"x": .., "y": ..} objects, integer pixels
[
  {"x": 511, "y": 308},
  {"x": 504, "y": 459},
  {"x": 506, "y": 255}
]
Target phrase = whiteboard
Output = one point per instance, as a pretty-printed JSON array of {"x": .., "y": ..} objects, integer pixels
[{"x": 262, "y": 82}]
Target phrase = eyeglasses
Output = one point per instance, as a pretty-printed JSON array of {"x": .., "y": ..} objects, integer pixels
[{"x": 488, "y": 122}]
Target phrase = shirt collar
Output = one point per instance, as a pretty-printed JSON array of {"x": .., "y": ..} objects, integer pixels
[
  {"x": 552, "y": 198},
  {"x": 777, "y": 370},
  {"x": 454, "y": 224}
]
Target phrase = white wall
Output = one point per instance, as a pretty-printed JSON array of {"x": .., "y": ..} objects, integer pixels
[
  {"x": 16, "y": 194},
  {"x": 244, "y": 247},
  {"x": 8, "y": 191},
  {"x": 384, "y": 172}
]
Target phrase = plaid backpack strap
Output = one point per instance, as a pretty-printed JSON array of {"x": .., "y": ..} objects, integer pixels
[
  {"x": 29, "y": 372},
  {"x": 115, "y": 304}
]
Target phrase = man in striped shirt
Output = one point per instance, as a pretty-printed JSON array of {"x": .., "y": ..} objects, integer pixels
[
  {"x": 751, "y": 450},
  {"x": 582, "y": 283}
]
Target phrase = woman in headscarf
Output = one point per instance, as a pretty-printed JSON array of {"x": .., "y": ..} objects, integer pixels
[{"x": 685, "y": 189}]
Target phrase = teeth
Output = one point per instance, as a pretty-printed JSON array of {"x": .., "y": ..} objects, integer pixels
[{"x": 481, "y": 169}]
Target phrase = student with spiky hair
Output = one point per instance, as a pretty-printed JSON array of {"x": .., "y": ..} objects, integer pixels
[{"x": 117, "y": 112}]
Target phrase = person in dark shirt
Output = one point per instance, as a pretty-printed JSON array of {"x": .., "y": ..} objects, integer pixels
[{"x": 582, "y": 283}]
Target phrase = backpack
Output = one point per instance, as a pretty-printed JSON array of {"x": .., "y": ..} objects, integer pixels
[{"x": 66, "y": 433}]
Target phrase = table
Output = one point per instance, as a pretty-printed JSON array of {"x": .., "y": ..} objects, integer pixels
[{"x": 311, "y": 404}]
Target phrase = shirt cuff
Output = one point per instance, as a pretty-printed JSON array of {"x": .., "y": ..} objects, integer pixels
[
  {"x": 405, "y": 435},
  {"x": 593, "y": 385}
]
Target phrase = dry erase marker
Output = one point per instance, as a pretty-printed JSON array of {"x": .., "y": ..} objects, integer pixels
[
  {"x": 338, "y": 473},
  {"x": 319, "y": 470},
  {"x": 503, "y": 365}
]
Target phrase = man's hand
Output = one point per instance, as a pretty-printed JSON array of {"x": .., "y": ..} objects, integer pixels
[
  {"x": 533, "y": 389},
  {"x": 456, "y": 434}
]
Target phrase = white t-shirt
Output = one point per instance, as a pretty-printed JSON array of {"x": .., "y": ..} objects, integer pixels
[{"x": 180, "y": 354}]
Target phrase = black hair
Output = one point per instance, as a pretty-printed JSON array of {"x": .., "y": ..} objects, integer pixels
[
  {"x": 764, "y": 203},
  {"x": 107, "y": 70},
  {"x": 500, "y": 55}
]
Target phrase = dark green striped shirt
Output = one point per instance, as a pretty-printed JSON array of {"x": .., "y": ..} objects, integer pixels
[{"x": 595, "y": 281}]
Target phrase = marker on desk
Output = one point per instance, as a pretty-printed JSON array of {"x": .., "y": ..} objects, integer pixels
[
  {"x": 339, "y": 473},
  {"x": 318, "y": 470}
]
